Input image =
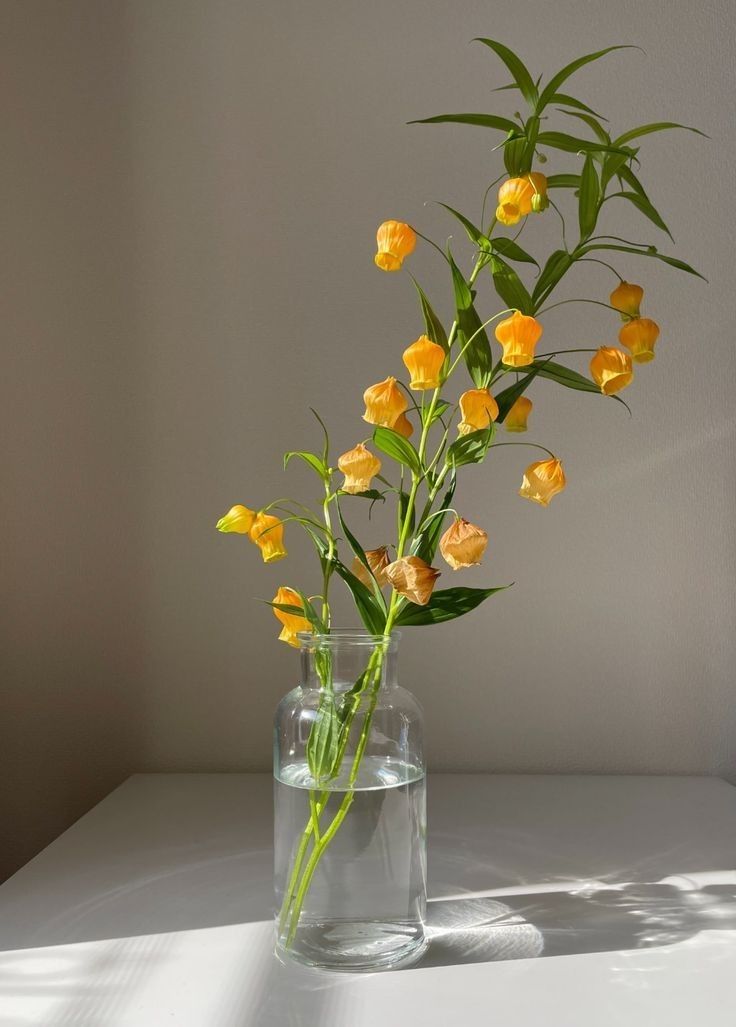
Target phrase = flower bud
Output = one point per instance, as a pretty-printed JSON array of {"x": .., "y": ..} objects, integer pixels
[
  {"x": 384, "y": 403},
  {"x": 540, "y": 202},
  {"x": 518, "y": 335},
  {"x": 543, "y": 480},
  {"x": 292, "y": 623},
  {"x": 358, "y": 465},
  {"x": 463, "y": 544},
  {"x": 238, "y": 519},
  {"x": 378, "y": 561},
  {"x": 627, "y": 298},
  {"x": 478, "y": 408},
  {"x": 639, "y": 336},
  {"x": 394, "y": 240},
  {"x": 516, "y": 418},
  {"x": 268, "y": 534},
  {"x": 411, "y": 577},
  {"x": 611, "y": 370},
  {"x": 424, "y": 360}
]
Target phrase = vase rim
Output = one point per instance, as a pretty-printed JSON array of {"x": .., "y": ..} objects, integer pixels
[{"x": 338, "y": 637}]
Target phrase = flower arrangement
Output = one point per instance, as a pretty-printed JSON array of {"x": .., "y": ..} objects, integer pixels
[{"x": 427, "y": 436}]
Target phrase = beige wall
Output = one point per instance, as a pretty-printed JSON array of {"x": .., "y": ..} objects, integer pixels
[{"x": 192, "y": 193}]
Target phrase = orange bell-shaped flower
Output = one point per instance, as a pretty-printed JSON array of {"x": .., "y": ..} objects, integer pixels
[
  {"x": 463, "y": 544},
  {"x": 478, "y": 408},
  {"x": 611, "y": 370},
  {"x": 639, "y": 336},
  {"x": 238, "y": 519},
  {"x": 411, "y": 577},
  {"x": 292, "y": 622},
  {"x": 385, "y": 404},
  {"x": 543, "y": 480},
  {"x": 378, "y": 561},
  {"x": 424, "y": 360},
  {"x": 267, "y": 532},
  {"x": 627, "y": 298},
  {"x": 517, "y": 197},
  {"x": 518, "y": 415},
  {"x": 358, "y": 465},
  {"x": 518, "y": 335},
  {"x": 395, "y": 241}
]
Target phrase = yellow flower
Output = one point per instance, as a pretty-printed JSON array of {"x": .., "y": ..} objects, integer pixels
[
  {"x": 238, "y": 518},
  {"x": 378, "y": 561},
  {"x": 358, "y": 465},
  {"x": 517, "y": 197},
  {"x": 611, "y": 370},
  {"x": 627, "y": 298},
  {"x": 268, "y": 534},
  {"x": 395, "y": 240},
  {"x": 478, "y": 408},
  {"x": 543, "y": 480},
  {"x": 639, "y": 336},
  {"x": 516, "y": 418},
  {"x": 463, "y": 544},
  {"x": 518, "y": 335},
  {"x": 424, "y": 360},
  {"x": 410, "y": 576},
  {"x": 292, "y": 622},
  {"x": 385, "y": 404}
]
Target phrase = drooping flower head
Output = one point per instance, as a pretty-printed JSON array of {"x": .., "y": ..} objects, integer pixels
[
  {"x": 627, "y": 298},
  {"x": 358, "y": 465},
  {"x": 238, "y": 519},
  {"x": 463, "y": 544},
  {"x": 517, "y": 197},
  {"x": 518, "y": 415},
  {"x": 385, "y": 404},
  {"x": 424, "y": 360},
  {"x": 267, "y": 532},
  {"x": 477, "y": 409},
  {"x": 639, "y": 336},
  {"x": 411, "y": 577},
  {"x": 395, "y": 241},
  {"x": 292, "y": 622},
  {"x": 378, "y": 561},
  {"x": 542, "y": 481},
  {"x": 611, "y": 370},
  {"x": 518, "y": 335}
]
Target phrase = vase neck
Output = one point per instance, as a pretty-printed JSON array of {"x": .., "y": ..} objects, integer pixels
[{"x": 340, "y": 659}]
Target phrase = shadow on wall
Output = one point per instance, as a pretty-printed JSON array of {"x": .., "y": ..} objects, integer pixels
[{"x": 72, "y": 645}]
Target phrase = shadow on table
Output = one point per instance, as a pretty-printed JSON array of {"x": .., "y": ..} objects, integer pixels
[{"x": 596, "y": 918}]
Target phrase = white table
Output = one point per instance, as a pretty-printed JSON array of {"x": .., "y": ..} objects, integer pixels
[{"x": 555, "y": 902}]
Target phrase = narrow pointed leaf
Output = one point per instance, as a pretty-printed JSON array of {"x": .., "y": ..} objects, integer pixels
[
  {"x": 477, "y": 354},
  {"x": 471, "y": 448},
  {"x": 645, "y": 206},
  {"x": 557, "y": 265},
  {"x": 589, "y": 200},
  {"x": 481, "y": 120},
  {"x": 565, "y": 376},
  {"x": 510, "y": 287},
  {"x": 655, "y": 126},
  {"x": 473, "y": 232},
  {"x": 312, "y": 460},
  {"x": 519, "y": 71},
  {"x": 432, "y": 323},
  {"x": 572, "y": 144},
  {"x": 425, "y": 544},
  {"x": 592, "y": 122},
  {"x": 509, "y": 396},
  {"x": 672, "y": 261},
  {"x": 569, "y": 101},
  {"x": 510, "y": 250},
  {"x": 365, "y": 602},
  {"x": 397, "y": 447},
  {"x": 556, "y": 81},
  {"x": 563, "y": 182},
  {"x": 446, "y": 604}
]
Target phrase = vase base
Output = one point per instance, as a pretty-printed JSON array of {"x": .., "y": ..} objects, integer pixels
[{"x": 360, "y": 947}]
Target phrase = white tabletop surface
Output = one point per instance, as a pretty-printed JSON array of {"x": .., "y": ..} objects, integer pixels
[{"x": 554, "y": 902}]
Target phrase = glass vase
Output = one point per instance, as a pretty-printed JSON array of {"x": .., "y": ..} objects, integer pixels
[{"x": 350, "y": 800}]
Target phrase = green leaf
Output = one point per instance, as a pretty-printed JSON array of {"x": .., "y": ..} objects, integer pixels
[
  {"x": 312, "y": 460},
  {"x": 563, "y": 182},
  {"x": 514, "y": 152},
  {"x": 445, "y": 604},
  {"x": 571, "y": 144},
  {"x": 426, "y": 542},
  {"x": 589, "y": 200},
  {"x": 556, "y": 81},
  {"x": 519, "y": 72},
  {"x": 511, "y": 250},
  {"x": 360, "y": 553},
  {"x": 481, "y": 120},
  {"x": 404, "y": 509},
  {"x": 531, "y": 131},
  {"x": 645, "y": 206},
  {"x": 322, "y": 744},
  {"x": 507, "y": 397},
  {"x": 650, "y": 252},
  {"x": 591, "y": 122},
  {"x": 397, "y": 447},
  {"x": 439, "y": 408},
  {"x": 477, "y": 354},
  {"x": 432, "y": 323},
  {"x": 612, "y": 166},
  {"x": 655, "y": 126},
  {"x": 366, "y": 604},
  {"x": 510, "y": 287},
  {"x": 557, "y": 264},
  {"x": 474, "y": 233},
  {"x": 625, "y": 174},
  {"x": 570, "y": 101},
  {"x": 470, "y": 449},
  {"x": 565, "y": 376}
]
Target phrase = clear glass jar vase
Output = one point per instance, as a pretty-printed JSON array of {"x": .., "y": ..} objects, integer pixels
[{"x": 350, "y": 797}]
